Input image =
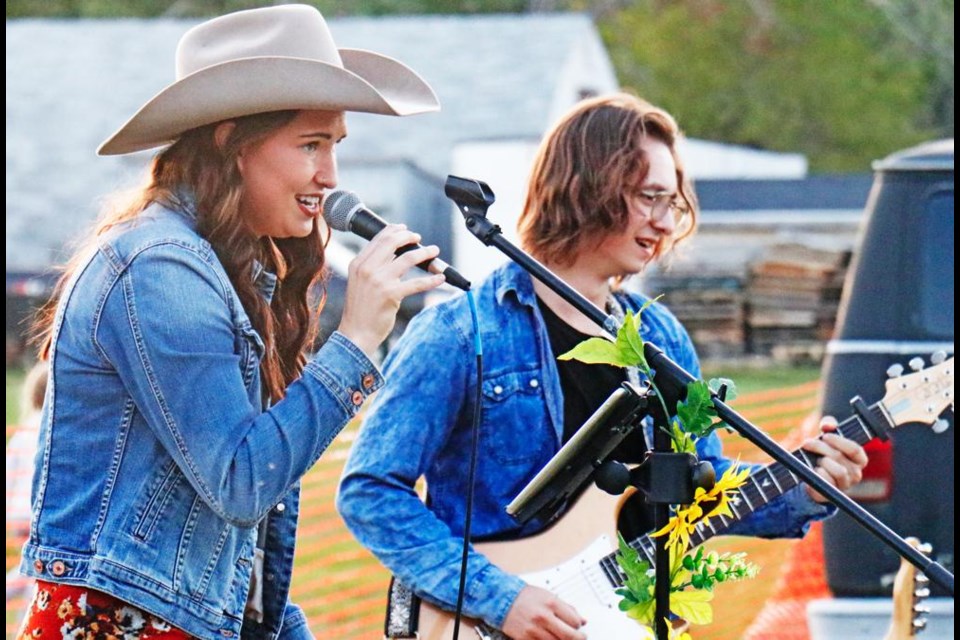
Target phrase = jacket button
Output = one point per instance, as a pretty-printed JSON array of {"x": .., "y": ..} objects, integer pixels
[
  {"x": 57, "y": 568},
  {"x": 534, "y": 383},
  {"x": 281, "y": 507},
  {"x": 498, "y": 389},
  {"x": 357, "y": 398},
  {"x": 368, "y": 381},
  {"x": 38, "y": 566}
]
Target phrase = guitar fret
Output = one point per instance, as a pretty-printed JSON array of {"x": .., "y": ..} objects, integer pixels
[
  {"x": 733, "y": 508},
  {"x": 774, "y": 478},
  {"x": 759, "y": 489},
  {"x": 746, "y": 499}
]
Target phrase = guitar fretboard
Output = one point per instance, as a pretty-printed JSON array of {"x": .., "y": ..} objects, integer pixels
[{"x": 760, "y": 488}]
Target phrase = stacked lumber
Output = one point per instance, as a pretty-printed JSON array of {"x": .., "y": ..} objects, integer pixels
[
  {"x": 792, "y": 296},
  {"x": 709, "y": 306}
]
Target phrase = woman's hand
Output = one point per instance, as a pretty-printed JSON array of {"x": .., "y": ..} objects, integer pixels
[
  {"x": 537, "y": 614},
  {"x": 842, "y": 460},
  {"x": 375, "y": 288}
]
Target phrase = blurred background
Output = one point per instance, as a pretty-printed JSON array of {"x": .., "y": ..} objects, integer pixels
[{"x": 785, "y": 104}]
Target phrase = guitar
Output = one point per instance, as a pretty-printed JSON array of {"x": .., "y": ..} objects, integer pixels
[
  {"x": 910, "y": 587},
  {"x": 575, "y": 557}
]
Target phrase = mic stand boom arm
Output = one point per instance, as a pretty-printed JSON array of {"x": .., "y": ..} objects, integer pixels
[{"x": 473, "y": 197}]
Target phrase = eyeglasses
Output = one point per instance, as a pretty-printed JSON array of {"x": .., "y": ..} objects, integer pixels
[{"x": 658, "y": 204}]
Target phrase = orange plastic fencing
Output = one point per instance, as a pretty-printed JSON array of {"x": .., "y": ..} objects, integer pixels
[{"x": 341, "y": 587}]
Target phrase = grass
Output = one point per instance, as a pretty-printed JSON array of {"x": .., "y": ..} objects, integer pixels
[
  {"x": 14, "y": 382},
  {"x": 755, "y": 378}
]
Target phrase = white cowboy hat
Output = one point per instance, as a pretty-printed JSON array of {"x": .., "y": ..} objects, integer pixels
[{"x": 268, "y": 59}]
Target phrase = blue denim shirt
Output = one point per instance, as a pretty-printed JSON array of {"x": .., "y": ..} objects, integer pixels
[
  {"x": 156, "y": 460},
  {"x": 420, "y": 425}
]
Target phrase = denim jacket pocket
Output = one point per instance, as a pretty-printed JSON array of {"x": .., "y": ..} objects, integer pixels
[
  {"x": 158, "y": 496},
  {"x": 513, "y": 414}
]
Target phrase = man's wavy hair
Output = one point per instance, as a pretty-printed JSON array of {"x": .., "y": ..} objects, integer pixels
[
  {"x": 586, "y": 165},
  {"x": 209, "y": 171}
]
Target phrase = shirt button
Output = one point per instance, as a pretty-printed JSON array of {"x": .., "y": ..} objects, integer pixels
[
  {"x": 498, "y": 389},
  {"x": 57, "y": 568},
  {"x": 281, "y": 507},
  {"x": 534, "y": 383},
  {"x": 38, "y": 566},
  {"x": 357, "y": 398},
  {"x": 368, "y": 381}
]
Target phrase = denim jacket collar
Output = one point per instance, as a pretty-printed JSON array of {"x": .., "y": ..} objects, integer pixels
[{"x": 184, "y": 202}]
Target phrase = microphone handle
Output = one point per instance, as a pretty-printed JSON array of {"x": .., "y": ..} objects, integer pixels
[{"x": 369, "y": 224}]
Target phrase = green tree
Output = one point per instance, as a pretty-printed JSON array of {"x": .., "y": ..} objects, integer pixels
[{"x": 829, "y": 79}]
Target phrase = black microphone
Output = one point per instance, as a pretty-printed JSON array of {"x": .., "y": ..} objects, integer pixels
[{"x": 344, "y": 211}]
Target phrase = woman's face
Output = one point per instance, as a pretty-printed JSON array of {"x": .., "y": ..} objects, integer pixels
[
  {"x": 284, "y": 176},
  {"x": 650, "y": 222}
]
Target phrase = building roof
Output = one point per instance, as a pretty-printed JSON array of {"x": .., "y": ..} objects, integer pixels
[
  {"x": 71, "y": 83},
  {"x": 816, "y": 192}
]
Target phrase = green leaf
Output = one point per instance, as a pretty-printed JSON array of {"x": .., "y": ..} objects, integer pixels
[
  {"x": 630, "y": 343},
  {"x": 697, "y": 411},
  {"x": 731, "y": 387},
  {"x": 597, "y": 351},
  {"x": 693, "y": 606},
  {"x": 643, "y": 612}
]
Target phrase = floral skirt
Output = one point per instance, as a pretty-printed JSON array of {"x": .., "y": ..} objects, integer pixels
[{"x": 78, "y": 613}]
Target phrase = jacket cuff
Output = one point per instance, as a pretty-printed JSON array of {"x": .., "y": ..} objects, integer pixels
[
  {"x": 495, "y": 591},
  {"x": 344, "y": 369}
]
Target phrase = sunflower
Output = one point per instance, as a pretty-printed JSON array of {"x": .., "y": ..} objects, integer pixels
[{"x": 706, "y": 504}]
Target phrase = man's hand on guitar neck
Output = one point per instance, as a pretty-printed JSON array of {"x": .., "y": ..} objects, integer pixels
[
  {"x": 841, "y": 462},
  {"x": 537, "y": 614}
]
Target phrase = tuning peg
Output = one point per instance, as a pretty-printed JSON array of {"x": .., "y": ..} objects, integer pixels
[
  {"x": 895, "y": 370},
  {"x": 916, "y": 364},
  {"x": 938, "y": 356},
  {"x": 921, "y": 593},
  {"x": 925, "y": 548},
  {"x": 940, "y": 425},
  {"x": 921, "y": 579},
  {"x": 919, "y": 625}
]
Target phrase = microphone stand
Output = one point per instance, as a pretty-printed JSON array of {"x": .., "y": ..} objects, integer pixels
[{"x": 473, "y": 198}]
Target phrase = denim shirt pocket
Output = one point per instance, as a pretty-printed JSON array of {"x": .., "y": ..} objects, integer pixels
[{"x": 514, "y": 416}]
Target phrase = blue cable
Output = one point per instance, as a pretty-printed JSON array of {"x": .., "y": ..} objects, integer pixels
[{"x": 478, "y": 350}]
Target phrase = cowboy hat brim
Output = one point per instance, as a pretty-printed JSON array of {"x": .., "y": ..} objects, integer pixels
[{"x": 368, "y": 82}]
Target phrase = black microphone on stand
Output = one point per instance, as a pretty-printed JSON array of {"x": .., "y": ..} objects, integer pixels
[{"x": 344, "y": 211}]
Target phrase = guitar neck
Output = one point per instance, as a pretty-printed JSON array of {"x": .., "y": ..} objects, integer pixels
[{"x": 761, "y": 487}]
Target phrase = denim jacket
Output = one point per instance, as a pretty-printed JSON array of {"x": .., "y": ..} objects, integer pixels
[
  {"x": 157, "y": 460},
  {"x": 420, "y": 425}
]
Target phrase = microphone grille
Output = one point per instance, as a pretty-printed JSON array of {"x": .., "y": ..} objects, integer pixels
[{"x": 339, "y": 207}]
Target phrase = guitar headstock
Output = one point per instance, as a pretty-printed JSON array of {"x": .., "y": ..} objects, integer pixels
[
  {"x": 923, "y": 395},
  {"x": 910, "y": 588}
]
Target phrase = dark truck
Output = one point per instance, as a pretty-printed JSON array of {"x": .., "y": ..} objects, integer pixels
[{"x": 897, "y": 308}]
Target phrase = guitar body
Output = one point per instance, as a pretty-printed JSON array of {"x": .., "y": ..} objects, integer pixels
[{"x": 563, "y": 559}]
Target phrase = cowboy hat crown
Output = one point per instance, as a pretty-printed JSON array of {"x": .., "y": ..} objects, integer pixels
[{"x": 269, "y": 59}]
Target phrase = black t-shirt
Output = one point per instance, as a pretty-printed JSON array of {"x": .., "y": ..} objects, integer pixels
[{"x": 585, "y": 387}]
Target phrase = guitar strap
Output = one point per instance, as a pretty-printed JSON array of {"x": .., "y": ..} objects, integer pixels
[{"x": 403, "y": 611}]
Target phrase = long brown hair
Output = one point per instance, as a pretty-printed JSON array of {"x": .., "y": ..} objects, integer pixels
[
  {"x": 585, "y": 166},
  {"x": 209, "y": 171}
]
